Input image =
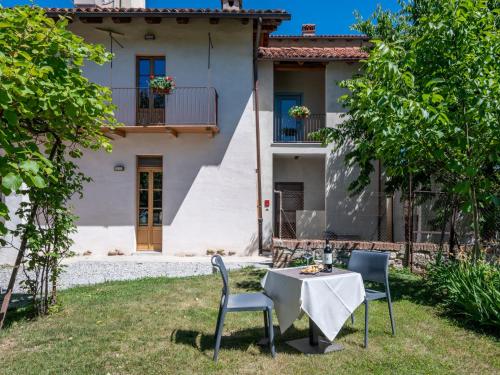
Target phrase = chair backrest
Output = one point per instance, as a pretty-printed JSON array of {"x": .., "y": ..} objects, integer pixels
[
  {"x": 219, "y": 263},
  {"x": 372, "y": 265}
]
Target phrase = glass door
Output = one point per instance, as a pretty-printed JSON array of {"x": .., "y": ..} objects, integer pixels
[
  {"x": 286, "y": 128},
  {"x": 150, "y": 106},
  {"x": 149, "y": 208}
]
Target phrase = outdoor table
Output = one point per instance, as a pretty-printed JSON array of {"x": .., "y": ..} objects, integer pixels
[{"x": 327, "y": 298}]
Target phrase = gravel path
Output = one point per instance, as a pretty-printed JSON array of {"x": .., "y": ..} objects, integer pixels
[{"x": 87, "y": 272}]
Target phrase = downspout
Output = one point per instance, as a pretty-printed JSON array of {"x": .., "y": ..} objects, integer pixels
[
  {"x": 379, "y": 200},
  {"x": 257, "y": 132}
]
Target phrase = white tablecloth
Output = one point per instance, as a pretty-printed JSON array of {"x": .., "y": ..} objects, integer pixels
[{"x": 328, "y": 299}]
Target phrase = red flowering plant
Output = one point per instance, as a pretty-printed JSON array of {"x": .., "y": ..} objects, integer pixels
[
  {"x": 299, "y": 112},
  {"x": 161, "y": 85}
]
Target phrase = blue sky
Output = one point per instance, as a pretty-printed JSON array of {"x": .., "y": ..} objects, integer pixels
[{"x": 331, "y": 16}]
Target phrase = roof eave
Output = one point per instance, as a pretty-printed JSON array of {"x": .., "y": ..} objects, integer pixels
[
  {"x": 311, "y": 59},
  {"x": 170, "y": 14},
  {"x": 319, "y": 36}
]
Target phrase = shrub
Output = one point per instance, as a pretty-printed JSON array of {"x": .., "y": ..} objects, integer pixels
[
  {"x": 298, "y": 262},
  {"x": 468, "y": 289}
]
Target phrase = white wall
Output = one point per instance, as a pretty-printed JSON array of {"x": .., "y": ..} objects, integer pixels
[
  {"x": 307, "y": 169},
  {"x": 209, "y": 183},
  {"x": 311, "y": 84},
  {"x": 310, "y": 224},
  {"x": 266, "y": 108},
  {"x": 354, "y": 217},
  {"x": 9, "y": 252},
  {"x": 349, "y": 216}
]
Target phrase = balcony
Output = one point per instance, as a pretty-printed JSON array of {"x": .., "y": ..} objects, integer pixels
[
  {"x": 185, "y": 110},
  {"x": 289, "y": 130}
]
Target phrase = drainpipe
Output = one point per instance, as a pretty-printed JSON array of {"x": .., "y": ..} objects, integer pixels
[
  {"x": 257, "y": 132},
  {"x": 379, "y": 200}
]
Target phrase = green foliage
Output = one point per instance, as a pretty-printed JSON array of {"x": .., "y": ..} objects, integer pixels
[
  {"x": 468, "y": 289},
  {"x": 166, "y": 84},
  {"x": 49, "y": 234},
  {"x": 298, "y": 262},
  {"x": 299, "y": 112},
  {"x": 44, "y": 97},
  {"x": 49, "y": 114},
  {"x": 428, "y": 101}
]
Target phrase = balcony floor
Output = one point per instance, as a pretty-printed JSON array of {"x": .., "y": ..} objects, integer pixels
[{"x": 175, "y": 130}]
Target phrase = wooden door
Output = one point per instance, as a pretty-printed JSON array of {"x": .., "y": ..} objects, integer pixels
[
  {"x": 149, "y": 208},
  {"x": 150, "y": 107}
]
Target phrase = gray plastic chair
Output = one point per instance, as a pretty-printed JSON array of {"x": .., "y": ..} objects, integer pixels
[
  {"x": 373, "y": 266},
  {"x": 241, "y": 302}
]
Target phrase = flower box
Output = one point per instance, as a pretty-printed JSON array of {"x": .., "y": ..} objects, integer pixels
[
  {"x": 161, "y": 85},
  {"x": 299, "y": 112},
  {"x": 161, "y": 91}
]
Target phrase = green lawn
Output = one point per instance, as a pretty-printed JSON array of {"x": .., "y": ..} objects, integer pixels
[{"x": 165, "y": 326}]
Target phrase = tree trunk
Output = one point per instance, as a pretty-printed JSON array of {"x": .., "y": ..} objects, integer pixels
[
  {"x": 446, "y": 218},
  {"x": 22, "y": 249},
  {"x": 451, "y": 239},
  {"x": 476, "y": 252}
]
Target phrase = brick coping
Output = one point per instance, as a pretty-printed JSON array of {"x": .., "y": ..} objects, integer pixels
[{"x": 354, "y": 245}]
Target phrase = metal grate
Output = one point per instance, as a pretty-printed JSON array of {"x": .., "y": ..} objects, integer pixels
[{"x": 288, "y": 203}]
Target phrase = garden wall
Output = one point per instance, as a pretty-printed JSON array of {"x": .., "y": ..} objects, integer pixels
[{"x": 284, "y": 251}]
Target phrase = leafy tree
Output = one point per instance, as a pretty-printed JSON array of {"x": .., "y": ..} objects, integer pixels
[
  {"x": 49, "y": 113},
  {"x": 49, "y": 235},
  {"x": 428, "y": 102}
]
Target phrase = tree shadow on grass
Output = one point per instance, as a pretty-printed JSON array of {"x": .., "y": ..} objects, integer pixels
[
  {"x": 252, "y": 280},
  {"x": 20, "y": 308},
  {"x": 412, "y": 288}
]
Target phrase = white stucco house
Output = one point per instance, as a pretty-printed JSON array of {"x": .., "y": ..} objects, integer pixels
[{"x": 218, "y": 163}]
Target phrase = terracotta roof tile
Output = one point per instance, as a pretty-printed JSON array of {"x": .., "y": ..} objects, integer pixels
[
  {"x": 278, "y": 13},
  {"x": 321, "y": 36},
  {"x": 312, "y": 53}
]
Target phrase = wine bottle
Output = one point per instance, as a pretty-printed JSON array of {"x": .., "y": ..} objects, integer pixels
[{"x": 328, "y": 257}]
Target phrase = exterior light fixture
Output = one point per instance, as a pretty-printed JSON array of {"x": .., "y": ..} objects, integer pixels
[
  {"x": 149, "y": 36},
  {"x": 119, "y": 168}
]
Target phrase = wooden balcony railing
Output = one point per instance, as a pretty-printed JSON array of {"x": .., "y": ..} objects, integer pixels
[
  {"x": 184, "y": 107},
  {"x": 289, "y": 130}
]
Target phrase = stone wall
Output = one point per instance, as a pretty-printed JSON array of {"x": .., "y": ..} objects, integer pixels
[{"x": 284, "y": 251}]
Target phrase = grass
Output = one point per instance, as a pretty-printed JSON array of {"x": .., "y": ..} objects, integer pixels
[{"x": 165, "y": 326}]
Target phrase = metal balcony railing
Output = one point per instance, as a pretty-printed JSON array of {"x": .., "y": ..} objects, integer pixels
[
  {"x": 289, "y": 130},
  {"x": 184, "y": 106}
]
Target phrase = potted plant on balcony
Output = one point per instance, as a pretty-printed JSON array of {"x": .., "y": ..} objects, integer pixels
[
  {"x": 161, "y": 85},
  {"x": 299, "y": 112}
]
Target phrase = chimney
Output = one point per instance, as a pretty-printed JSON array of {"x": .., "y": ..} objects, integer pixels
[
  {"x": 232, "y": 4},
  {"x": 308, "y": 29}
]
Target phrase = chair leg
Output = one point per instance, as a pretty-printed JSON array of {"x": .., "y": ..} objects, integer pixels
[
  {"x": 271, "y": 332},
  {"x": 366, "y": 324},
  {"x": 389, "y": 302},
  {"x": 266, "y": 324},
  {"x": 218, "y": 333}
]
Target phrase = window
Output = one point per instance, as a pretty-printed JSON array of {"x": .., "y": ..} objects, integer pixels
[{"x": 147, "y": 67}]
